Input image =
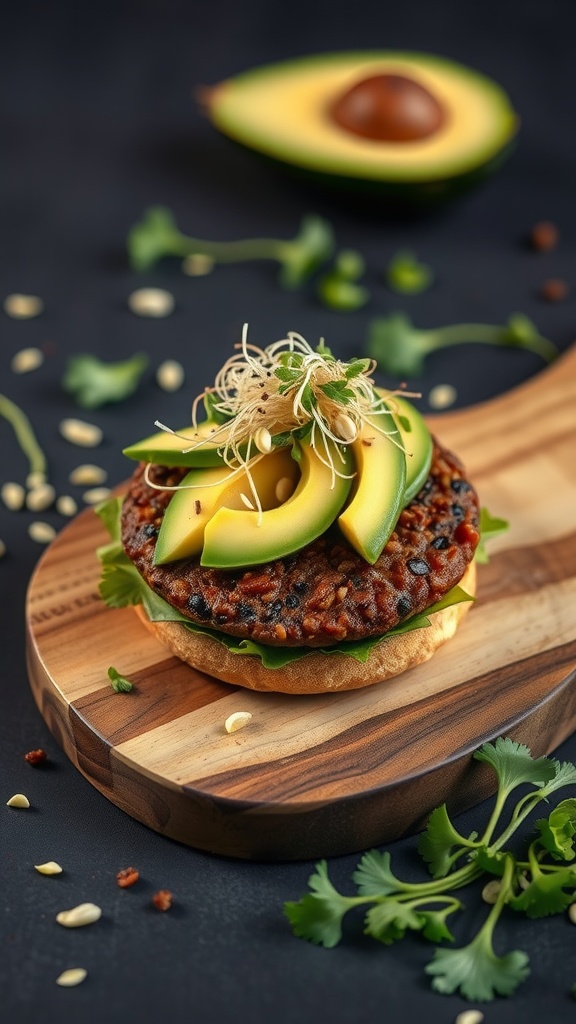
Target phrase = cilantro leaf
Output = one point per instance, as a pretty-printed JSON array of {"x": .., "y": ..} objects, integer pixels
[
  {"x": 493, "y": 863},
  {"x": 564, "y": 775},
  {"x": 547, "y": 893},
  {"x": 489, "y": 527},
  {"x": 94, "y": 383},
  {"x": 388, "y": 921},
  {"x": 439, "y": 841},
  {"x": 475, "y": 970},
  {"x": 374, "y": 877},
  {"x": 118, "y": 682},
  {"x": 434, "y": 927},
  {"x": 513, "y": 764},
  {"x": 318, "y": 915},
  {"x": 406, "y": 275},
  {"x": 557, "y": 831}
]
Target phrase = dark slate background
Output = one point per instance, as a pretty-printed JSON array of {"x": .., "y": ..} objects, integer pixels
[{"x": 98, "y": 122}]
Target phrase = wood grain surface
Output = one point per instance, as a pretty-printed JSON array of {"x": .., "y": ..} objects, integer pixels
[{"x": 330, "y": 774}]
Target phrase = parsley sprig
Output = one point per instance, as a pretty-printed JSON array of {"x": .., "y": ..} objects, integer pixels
[{"x": 542, "y": 882}]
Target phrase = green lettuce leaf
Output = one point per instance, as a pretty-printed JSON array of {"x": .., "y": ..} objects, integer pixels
[{"x": 121, "y": 584}]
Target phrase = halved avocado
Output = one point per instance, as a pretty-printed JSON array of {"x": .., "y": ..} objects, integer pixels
[
  {"x": 291, "y": 112},
  {"x": 378, "y": 497},
  {"x": 203, "y": 491},
  {"x": 165, "y": 449},
  {"x": 234, "y": 538}
]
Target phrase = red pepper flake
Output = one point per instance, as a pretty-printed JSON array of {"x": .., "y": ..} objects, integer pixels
[
  {"x": 366, "y": 442},
  {"x": 162, "y": 899},
  {"x": 198, "y": 506},
  {"x": 127, "y": 877},
  {"x": 554, "y": 290},
  {"x": 544, "y": 236},
  {"x": 35, "y": 757}
]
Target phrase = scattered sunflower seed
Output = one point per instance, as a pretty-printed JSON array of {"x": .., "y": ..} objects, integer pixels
[
  {"x": 470, "y": 1017},
  {"x": 572, "y": 912},
  {"x": 86, "y": 435},
  {"x": 237, "y": 721},
  {"x": 42, "y": 533},
  {"x": 88, "y": 475},
  {"x": 49, "y": 868},
  {"x": 491, "y": 890},
  {"x": 154, "y": 302},
  {"x": 40, "y": 498},
  {"x": 198, "y": 264},
  {"x": 66, "y": 505},
  {"x": 95, "y": 495},
  {"x": 35, "y": 479},
  {"x": 22, "y": 307},
  {"x": 442, "y": 396},
  {"x": 284, "y": 488},
  {"x": 77, "y": 917},
  {"x": 73, "y": 976},
  {"x": 170, "y": 375},
  {"x": 345, "y": 427},
  {"x": 13, "y": 495},
  {"x": 18, "y": 800},
  {"x": 27, "y": 359}
]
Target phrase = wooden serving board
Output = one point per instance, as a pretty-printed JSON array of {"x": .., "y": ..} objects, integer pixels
[{"x": 330, "y": 774}]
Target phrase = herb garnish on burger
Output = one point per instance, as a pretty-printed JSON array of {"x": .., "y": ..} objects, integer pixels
[{"x": 308, "y": 535}]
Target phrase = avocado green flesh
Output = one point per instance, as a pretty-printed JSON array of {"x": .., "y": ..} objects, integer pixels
[
  {"x": 203, "y": 491},
  {"x": 378, "y": 499},
  {"x": 280, "y": 111},
  {"x": 165, "y": 449},
  {"x": 417, "y": 443},
  {"x": 233, "y": 538}
]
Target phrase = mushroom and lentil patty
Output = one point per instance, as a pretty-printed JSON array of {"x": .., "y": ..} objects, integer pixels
[{"x": 325, "y": 593}]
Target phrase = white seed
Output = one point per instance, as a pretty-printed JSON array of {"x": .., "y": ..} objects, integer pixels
[
  {"x": 197, "y": 264},
  {"x": 13, "y": 495},
  {"x": 442, "y": 396},
  {"x": 2, "y": 549},
  {"x": 66, "y": 505},
  {"x": 470, "y": 1017},
  {"x": 263, "y": 440},
  {"x": 237, "y": 721},
  {"x": 40, "y": 498},
  {"x": 345, "y": 428},
  {"x": 42, "y": 533},
  {"x": 77, "y": 917},
  {"x": 18, "y": 800},
  {"x": 22, "y": 307},
  {"x": 95, "y": 495},
  {"x": 170, "y": 375},
  {"x": 86, "y": 435},
  {"x": 27, "y": 359},
  {"x": 284, "y": 489},
  {"x": 491, "y": 891},
  {"x": 154, "y": 302},
  {"x": 73, "y": 976},
  {"x": 88, "y": 475},
  {"x": 35, "y": 479},
  {"x": 49, "y": 868},
  {"x": 572, "y": 912},
  {"x": 247, "y": 502}
]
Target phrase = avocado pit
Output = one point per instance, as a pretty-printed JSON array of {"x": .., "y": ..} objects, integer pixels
[{"x": 388, "y": 108}]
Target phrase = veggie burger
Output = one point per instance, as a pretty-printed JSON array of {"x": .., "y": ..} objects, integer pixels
[{"x": 307, "y": 535}]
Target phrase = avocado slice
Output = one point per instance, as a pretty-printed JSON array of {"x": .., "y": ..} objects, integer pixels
[
  {"x": 417, "y": 443},
  {"x": 378, "y": 496},
  {"x": 203, "y": 491},
  {"x": 165, "y": 449},
  {"x": 233, "y": 538},
  {"x": 285, "y": 112}
]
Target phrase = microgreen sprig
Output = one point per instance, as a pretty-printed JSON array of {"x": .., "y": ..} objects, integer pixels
[
  {"x": 400, "y": 348},
  {"x": 94, "y": 383},
  {"x": 25, "y": 436},
  {"x": 338, "y": 288},
  {"x": 157, "y": 236},
  {"x": 533, "y": 885},
  {"x": 406, "y": 275}
]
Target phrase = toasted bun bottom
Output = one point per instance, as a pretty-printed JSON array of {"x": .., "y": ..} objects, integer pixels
[{"x": 315, "y": 673}]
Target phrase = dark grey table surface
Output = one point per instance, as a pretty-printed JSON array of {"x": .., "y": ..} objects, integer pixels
[{"x": 97, "y": 123}]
